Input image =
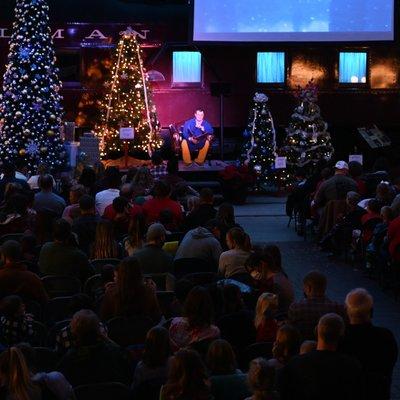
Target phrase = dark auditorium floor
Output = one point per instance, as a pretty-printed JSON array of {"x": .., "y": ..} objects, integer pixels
[{"x": 265, "y": 220}]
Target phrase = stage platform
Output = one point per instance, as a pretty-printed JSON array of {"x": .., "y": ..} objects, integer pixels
[{"x": 209, "y": 171}]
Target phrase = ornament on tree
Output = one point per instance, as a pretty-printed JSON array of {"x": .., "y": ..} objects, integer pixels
[
  {"x": 260, "y": 146},
  {"x": 30, "y": 72},
  {"x": 307, "y": 139},
  {"x": 128, "y": 99}
]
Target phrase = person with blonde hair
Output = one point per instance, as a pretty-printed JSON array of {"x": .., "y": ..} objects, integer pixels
[
  {"x": 15, "y": 378},
  {"x": 374, "y": 347},
  {"x": 265, "y": 322}
]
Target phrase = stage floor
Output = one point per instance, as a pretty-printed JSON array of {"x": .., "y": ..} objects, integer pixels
[{"x": 208, "y": 166}]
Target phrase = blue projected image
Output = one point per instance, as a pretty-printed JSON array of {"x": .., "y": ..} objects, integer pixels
[
  {"x": 186, "y": 67},
  {"x": 353, "y": 67},
  {"x": 293, "y": 20},
  {"x": 271, "y": 67}
]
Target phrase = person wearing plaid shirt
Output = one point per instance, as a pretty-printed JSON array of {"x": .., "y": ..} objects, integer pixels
[
  {"x": 305, "y": 314},
  {"x": 158, "y": 169}
]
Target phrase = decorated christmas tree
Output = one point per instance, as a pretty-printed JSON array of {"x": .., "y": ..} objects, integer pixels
[
  {"x": 307, "y": 141},
  {"x": 128, "y": 102},
  {"x": 30, "y": 110},
  {"x": 260, "y": 145}
]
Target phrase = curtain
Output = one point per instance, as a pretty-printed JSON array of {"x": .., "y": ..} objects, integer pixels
[
  {"x": 352, "y": 67},
  {"x": 186, "y": 66},
  {"x": 271, "y": 67}
]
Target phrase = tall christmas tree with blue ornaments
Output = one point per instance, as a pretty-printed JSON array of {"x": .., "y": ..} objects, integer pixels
[
  {"x": 260, "y": 146},
  {"x": 30, "y": 110}
]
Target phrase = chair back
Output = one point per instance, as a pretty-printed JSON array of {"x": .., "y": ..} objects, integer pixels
[
  {"x": 94, "y": 283},
  {"x": 184, "y": 266},
  {"x": 60, "y": 286},
  {"x": 11, "y": 236},
  {"x": 46, "y": 359},
  {"x": 164, "y": 282},
  {"x": 201, "y": 278},
  {"x": 128, "y": 331},
  {"x": 103, "y": 391},
  {"x": 57, "y": 309},
  {"x": 165, "y": 300},
  {"x": 99, "y": 263},
  {"x": 261, "y": 349},
  {"x": 149, "y": 389}
]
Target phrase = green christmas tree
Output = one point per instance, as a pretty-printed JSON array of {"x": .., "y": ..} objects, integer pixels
[
  {"x": 307, "y": 140},
  {"x": 30, "y": 110},
  {"x": 128, "y": 102},
  {"x": 260, "y": 145}
]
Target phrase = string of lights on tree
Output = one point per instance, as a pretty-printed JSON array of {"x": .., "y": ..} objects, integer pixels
[
  {"x": 260, "y": 146},
  {"x": 30, "y": 109},
  {"x": 307, "y": 141},
  {"x": 128, "y": 102}
]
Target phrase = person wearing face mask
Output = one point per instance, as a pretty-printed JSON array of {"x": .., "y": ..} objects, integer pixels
[{"x": 268, "y": 276}]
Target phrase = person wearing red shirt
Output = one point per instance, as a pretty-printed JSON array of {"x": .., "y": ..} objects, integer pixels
[
  {"x": 394, "y": 239},
  {"x": 161, "y": 201},
  {"x": 371, "y": 219}
]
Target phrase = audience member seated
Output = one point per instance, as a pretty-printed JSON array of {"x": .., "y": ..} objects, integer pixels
[
  {"x": 341, "y": 235},
  {"x": 374, "y": 347},
  {"x": 128, "y": 177},
  {"x": 85, "y": 225},
  {"x": 158, "y": 169},
  {"x": 127, "y": 192},
  {"x": 73, "y": 211},
  {"x": 42, "y": 170},
  {"x": 14, "y": 276},
  {"x": 370, "y": 219},
  {"x": 15, "y": 325},
  {"x": 335, "y": 188},
  {"x": 268, "y": 276},
  {"x": 393, "y": 236},
  {"x": 172, "y": 178},
  {"x": 232, "y": 263},
  {"x": 196, "y": 323},
  {"x": 324, "y": 373},
  {"x": 136, "y": 232},
  {"x": 143, "y": 180},
  {"x": 16, "y": 217},
  {"x": 88, "y": 180},
  {"x": 53, "y": 384},
  {"x": 130, "y": 294},
  {"x": 356, "y": 173},
  {"x": 227, "y": 381},
  {"x": 187, "y": 378},
  {"x": 152, "y": 258},
  {"x": 46, "y": 199},
  {"x": 265, "y": 322},
  {"x": 203, "y": 212},
  {"x": 62, "y": 256},
  {"x": 16, "y": 381},
  {"x": 121, "y": 218},
  {"x": 94, "y": 359},
  {"x": 286, "y": 346},
  {"x": 105, "y": 197},
  {"x": 226, "y": 221},
  {"x": 9, "y": 177},
  {"x": 261, "y": 378},
  {"x": 305, "y": 314},
  {"x": 105, "y": 245},
  {"x": 235, "y": 314},
  {"x": 153, "y": 366},
  {"x": 201, "y": 243},
  {"x": 307, "y": 346},
  {"x": 161, "y": 201}
]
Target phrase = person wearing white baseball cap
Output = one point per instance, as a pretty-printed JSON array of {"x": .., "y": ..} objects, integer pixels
[
  {"x": 342, "y": 166},
  {"x": 336, "y": 187}
]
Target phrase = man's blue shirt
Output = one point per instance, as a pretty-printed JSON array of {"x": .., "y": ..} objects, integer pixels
[{"x": 190, "y": 130}]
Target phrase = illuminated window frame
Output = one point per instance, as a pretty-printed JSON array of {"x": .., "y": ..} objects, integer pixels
[
  {"x": 271, "y": 67},
  {"x": 186, "y": 68},
  {"x": 353, "y": 68}
]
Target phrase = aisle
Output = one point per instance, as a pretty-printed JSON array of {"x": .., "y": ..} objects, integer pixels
[{"x": 264, "y": 219}]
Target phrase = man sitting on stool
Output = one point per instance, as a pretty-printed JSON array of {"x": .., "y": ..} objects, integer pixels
[{"x": 197, "y": 134}]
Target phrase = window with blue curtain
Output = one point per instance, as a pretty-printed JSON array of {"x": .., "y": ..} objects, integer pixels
[
  {"x": 353, "y": 67},
  {"x": 271, "y": 67},
  {"x": 186, "y": 67}
]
